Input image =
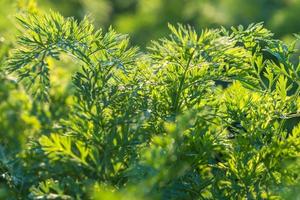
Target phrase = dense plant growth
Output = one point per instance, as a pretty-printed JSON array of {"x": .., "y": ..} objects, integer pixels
[{"x": 210, "y": 115}]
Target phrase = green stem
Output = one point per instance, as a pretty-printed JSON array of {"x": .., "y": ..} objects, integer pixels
[{"x": 181, "y": 84}]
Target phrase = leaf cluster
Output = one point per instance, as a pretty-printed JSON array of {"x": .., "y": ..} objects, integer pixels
[{"x": 197, "y": 116}]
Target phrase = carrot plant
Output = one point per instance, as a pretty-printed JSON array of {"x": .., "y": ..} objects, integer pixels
[{"x": 199, "y": 115}]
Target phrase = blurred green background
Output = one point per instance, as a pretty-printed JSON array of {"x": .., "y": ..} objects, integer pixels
[{"x": 147, "y": 20}]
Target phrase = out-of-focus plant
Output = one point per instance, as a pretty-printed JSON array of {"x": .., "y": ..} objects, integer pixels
[{"x": 146, "y": 20}]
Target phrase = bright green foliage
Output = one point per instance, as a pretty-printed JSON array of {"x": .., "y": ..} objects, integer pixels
[{"x": 198, "y": 116}]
